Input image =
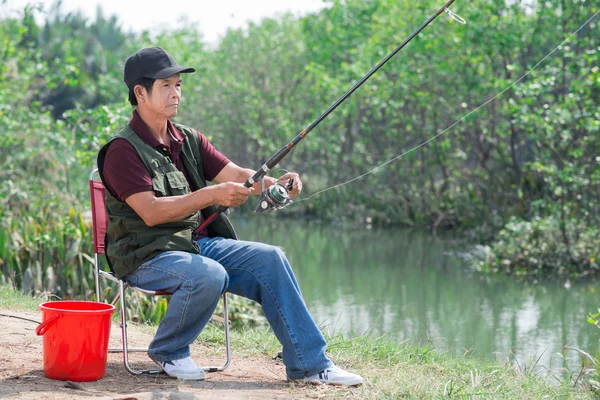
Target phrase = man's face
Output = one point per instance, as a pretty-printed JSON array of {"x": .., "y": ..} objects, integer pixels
[{"x": 165, "y": 97}]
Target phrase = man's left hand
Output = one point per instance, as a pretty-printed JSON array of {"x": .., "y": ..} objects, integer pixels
[{"x": 297, "y": 185}]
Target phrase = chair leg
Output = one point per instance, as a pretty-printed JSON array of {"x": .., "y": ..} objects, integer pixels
[
  {"x": 123, "y": 315},
  {"x": 126, "y": 349},
  {"x": 96, "y": 277},
  {"x": 227, "y": 339},
  {"x": 116, "y": 299}
]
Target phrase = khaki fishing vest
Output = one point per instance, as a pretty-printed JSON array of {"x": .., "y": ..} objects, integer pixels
[{"x": 129, "y": 241}]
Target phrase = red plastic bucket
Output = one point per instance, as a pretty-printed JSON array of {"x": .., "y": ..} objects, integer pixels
[{"x": 76, "y": 337}]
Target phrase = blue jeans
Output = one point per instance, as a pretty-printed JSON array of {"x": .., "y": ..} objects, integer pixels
[{"x": 253, "y": 270}]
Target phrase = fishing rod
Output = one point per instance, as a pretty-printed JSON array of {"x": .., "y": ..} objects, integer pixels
[{"x": 277, "y": 195}]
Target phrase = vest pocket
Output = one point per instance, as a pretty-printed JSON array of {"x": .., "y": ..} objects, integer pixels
[
  {"x": 172, "y": 183},
  {"x": 178, "y": 185},
  {"x": 159, "y": 185}
]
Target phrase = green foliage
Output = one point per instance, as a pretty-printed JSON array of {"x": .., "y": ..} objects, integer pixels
[
  {"x": 592, "y": 364},
  {"x": 525, "y": 165},
  {"x": 536, "y": 249},
  {"x": 77, "y": 56}
]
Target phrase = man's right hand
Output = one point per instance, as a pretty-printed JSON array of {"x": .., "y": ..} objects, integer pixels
[{"x": 231, "y": 194}]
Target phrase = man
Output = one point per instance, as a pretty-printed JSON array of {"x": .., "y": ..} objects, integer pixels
[{"x": 155, "y": 172}]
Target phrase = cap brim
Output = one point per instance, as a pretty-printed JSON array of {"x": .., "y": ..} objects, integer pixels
[{"x": 170, "y": 71}]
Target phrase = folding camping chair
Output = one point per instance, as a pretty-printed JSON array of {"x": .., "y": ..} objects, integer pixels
[{"x": 99, "y": 223}]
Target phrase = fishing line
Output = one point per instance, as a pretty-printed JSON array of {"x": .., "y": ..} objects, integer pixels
[
  {"x": 455, "y": 123},
  {"x": 277, "y": 195}
]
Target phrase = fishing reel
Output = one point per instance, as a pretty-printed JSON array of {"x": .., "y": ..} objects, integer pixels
[{"x": 275, "y": 197}]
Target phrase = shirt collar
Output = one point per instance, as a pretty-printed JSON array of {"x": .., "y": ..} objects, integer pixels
[
  {"x": 176, "y": 134},
  {"x": 141, "y": 128}
]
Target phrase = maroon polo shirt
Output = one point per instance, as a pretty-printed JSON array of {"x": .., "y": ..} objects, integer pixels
[{"x": 125, "y": 173}]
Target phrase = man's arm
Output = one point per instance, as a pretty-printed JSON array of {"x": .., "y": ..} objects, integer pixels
[
  {"x": 159, "y": 210},
  {"x": 234, "y": 173},
  {"x": 229, "y": 192}
]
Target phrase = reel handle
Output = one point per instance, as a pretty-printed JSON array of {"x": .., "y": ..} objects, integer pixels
[
  {"x": 275, "y": 197},
  {"x": 290, "y": 185}
]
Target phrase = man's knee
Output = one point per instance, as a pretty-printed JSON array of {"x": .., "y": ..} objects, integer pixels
[
  {"x": 221, "y": 279},
  {"x": 212, "y": 277},
  {"x": 274, "y": 256}
]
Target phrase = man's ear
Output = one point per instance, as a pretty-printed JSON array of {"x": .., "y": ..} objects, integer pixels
[{"x": 140, "y": 93}]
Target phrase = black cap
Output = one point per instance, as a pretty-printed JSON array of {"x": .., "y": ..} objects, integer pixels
[{"x": 151, "y": 62}]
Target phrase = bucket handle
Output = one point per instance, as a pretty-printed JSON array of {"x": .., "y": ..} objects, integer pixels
[{"x": 44, "y": 326}]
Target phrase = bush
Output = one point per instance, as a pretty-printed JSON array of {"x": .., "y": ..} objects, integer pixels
[{"x": 542, "y": 247}]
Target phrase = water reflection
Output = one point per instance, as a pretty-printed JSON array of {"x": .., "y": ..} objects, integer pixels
[{"x": 405, "y": 285}]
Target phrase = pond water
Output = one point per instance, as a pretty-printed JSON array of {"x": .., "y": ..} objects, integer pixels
[{"x": 408, "y": 286}]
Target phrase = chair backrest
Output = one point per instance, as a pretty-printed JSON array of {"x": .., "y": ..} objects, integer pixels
[{"x": 99, "y": 220}]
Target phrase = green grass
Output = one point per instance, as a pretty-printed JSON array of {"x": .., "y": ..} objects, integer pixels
[
  {"x": 11, "y": 299},
  {"x": 392, "y": 370},
  {"x": 402, "y": 370}
]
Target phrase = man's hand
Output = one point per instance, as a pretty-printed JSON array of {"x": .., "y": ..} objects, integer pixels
[
  {"x": 297, "y": 186},
  {"x": 231, "y": 194}
]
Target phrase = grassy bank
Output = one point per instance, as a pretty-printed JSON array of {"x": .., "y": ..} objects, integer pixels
[{"x": 391, "y": 369}]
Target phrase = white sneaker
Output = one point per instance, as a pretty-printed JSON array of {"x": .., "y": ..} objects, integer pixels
[
  {"x": 334, "y": 376},
  {"x": 184, "y": 368}
]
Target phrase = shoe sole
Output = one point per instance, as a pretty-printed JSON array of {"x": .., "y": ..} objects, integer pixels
[
  {"x": 196, "y": 376},
  {"x": 188, "y": 377},
  {"x": 319, "y": 382}
]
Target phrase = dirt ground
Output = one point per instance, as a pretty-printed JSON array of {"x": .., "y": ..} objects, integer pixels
[{"x": 22, "y": 374}]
